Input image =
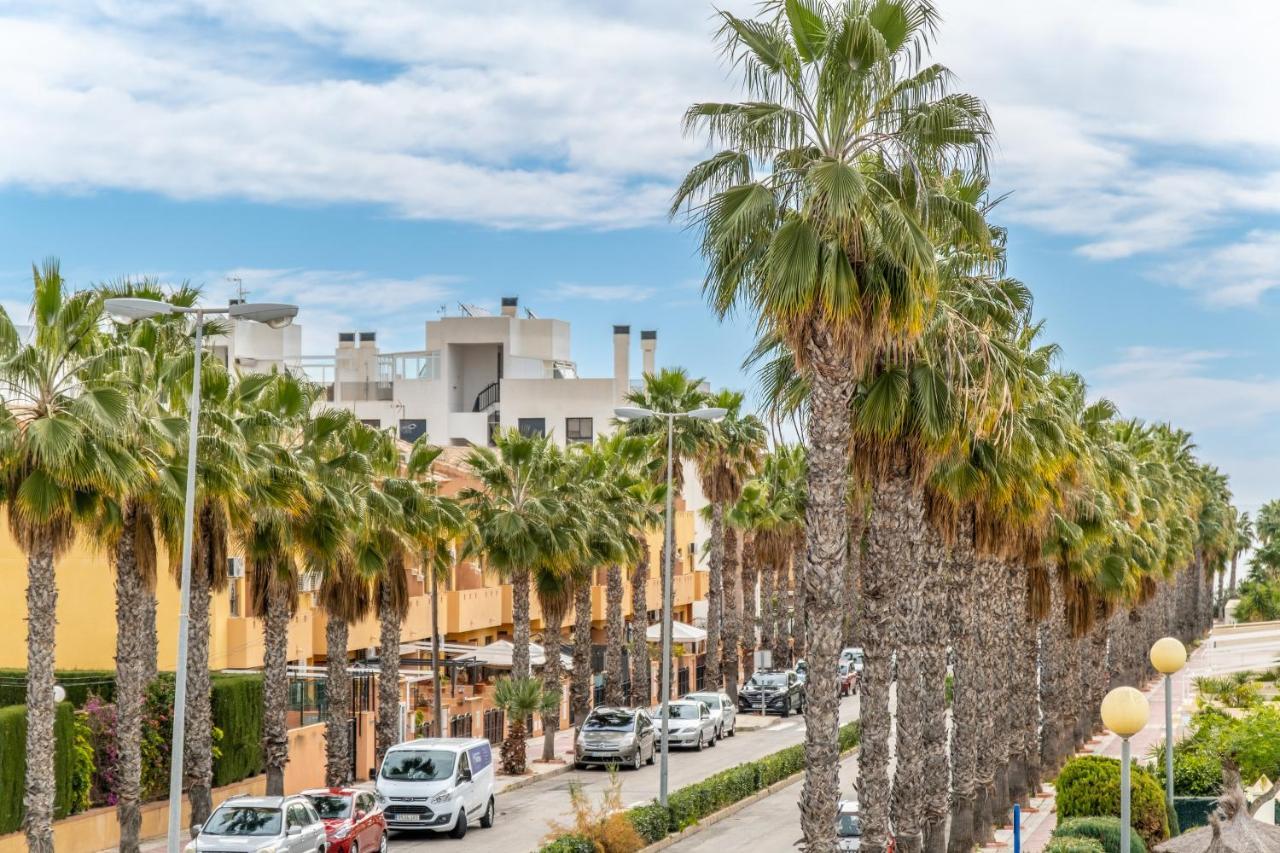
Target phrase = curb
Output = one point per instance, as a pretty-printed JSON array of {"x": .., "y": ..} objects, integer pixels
[
  {"x": 730, "y": 810},
  {"x": 523, "y": 781}
]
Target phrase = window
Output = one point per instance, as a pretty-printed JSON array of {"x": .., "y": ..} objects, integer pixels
[
  {"x": 532, "y": 426},
  {"x": 577, "y": 429},
  {"x": 297, "y": 815}
]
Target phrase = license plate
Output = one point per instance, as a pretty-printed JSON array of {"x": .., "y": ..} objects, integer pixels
[{"x": 405, "y": 817}]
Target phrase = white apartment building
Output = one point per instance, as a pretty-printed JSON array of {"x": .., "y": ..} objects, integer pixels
[{"x": 477, "y": 372}]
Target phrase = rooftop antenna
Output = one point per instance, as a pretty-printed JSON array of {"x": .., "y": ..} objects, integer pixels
[
  {"x": 529, "y": 314},
  {"x": 239, "y": 283}
]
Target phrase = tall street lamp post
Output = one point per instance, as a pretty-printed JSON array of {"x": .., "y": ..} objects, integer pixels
[
  {"x": 628, "y": 413},
  {"x": 277, "y": 316},
  {"x": 1125, "y": 712},
  {"x": 1168, "y": 656}
]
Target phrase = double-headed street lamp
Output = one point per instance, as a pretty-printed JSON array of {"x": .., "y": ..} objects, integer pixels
[
  {"x": 277, "y": 316},
  {"x": 630, "y": 413},
  {"x": 1125, "y": 712},
  {"x": 1168, "y": 656}
]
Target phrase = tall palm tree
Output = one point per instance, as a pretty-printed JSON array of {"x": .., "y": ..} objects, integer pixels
[
  {"x": 844, "y": 117},
  {"x": 66, "y": 427},
  {"x": 647, "y": 500}
]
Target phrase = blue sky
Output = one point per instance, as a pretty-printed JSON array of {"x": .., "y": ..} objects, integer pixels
[{"x": 377, "y": 160}]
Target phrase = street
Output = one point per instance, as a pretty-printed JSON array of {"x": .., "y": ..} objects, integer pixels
[{"x": 524, "y": 815}]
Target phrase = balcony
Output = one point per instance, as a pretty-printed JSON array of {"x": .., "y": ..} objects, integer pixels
[{"x": 472, "y": 609}]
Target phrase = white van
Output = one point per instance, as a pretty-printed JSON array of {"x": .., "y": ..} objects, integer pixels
[{"x": 439, "y": 784}]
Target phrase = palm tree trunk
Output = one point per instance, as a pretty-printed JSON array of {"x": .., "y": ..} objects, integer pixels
[
  {"x": 852, "y": 581},
  {"x": 1053, "y": 693},
  {"x": 582, "y": 689},
  {"x": 1028, "y": 654},
  {"x": 933, "y": 671},
  {"x": 387, "y": 729},
  {"x": 750, "y": 579},
  {"x": 966, "y": 685},
  {"x": 826, "y": 547},
  {"x": 732, "y": 612},
  {"x": 520, "y": 627},
  {"x": 131, "y": 682},
  {"x": 552, "y": 620},
  {"x": 275, "y": 683},
  {"x": 147, "y": 633},
  {"x": 1231, "y": 587},
  {"x": 781, "y": 631},
  {"x": 990, "y": 746},
  {"x": 715, "y": 596},
  {"x": 198, "y": 768},
  {"x": 641, "y": 676},
  {"x": 1019, "y": 705},
  {"x": 42, "y": 609},
  {"x": 614, "y": 637},
  {"x": 768, "y": 607},
  {"x": 437, "y": 700},
  {"x": 337, "y": 730},
  {"x": 797, "y": 603}
]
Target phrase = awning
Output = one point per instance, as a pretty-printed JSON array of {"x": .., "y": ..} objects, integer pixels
[
  {"x": 447, "y": 650},
  {"x": 498, "y": 654},
  {"x": 681, "y": 632}
]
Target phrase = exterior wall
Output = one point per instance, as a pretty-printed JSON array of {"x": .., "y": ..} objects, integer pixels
[{"x": 557, "y": 399}]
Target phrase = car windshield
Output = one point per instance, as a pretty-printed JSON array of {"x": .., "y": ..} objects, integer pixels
[
  {"x": 844, "y": 667},
  {"x": 418, "y": 765},
  {"x": 850, "y": 826},
  {"x": 769, "y": 679},
  {"x": 614, "y": 721},
  {"x": 243, "y": 820},
  {"x": 713, "y": 702},
  {"x": 683, "y": 712},
  {"x": 331, "y": 806}
]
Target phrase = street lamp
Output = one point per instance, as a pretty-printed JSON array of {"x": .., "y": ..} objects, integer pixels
[
  {"x": 633, "y": 413},
  {"x": 1125, "y": 712},
  {"x": 1168, "y": 656},
  {"x": 127, "y": 309}
]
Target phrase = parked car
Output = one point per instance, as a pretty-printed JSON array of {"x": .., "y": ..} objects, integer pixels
[
  {"x": 609, "y": 735},
  {"x": 776, "y": 691},
  {"x": 848, "y": 678},
  {"x": 849, "y": 828},
  {"x": 689, "y": 724},
  {"x": 438, "y": 784},
  {"x": 722, "y": 711},
  {"x": 252, "y": 824},
  {"x": 853, "y": 654},
  {"x": 353, "y": 819}
]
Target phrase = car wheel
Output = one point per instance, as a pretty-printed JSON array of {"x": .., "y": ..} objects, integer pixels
[
  {"x": 578, "y": 765},
  {"x": 638, "y": 759},
  {"x": 382, "y": 845},
  {"x": 460, "y": 828},
  {"x": 700, "y": 742},
  {"x": 653, "y": 754},
  {"x": 786, "y": 708},
  {"x": 486, "y": 819}
]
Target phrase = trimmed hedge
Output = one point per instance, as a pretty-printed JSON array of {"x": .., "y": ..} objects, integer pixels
[
  {"x": 692, "y": 803},
  {"x": 13, "y": 763},
  {"x": 569, "y": 844},
  {"x": 1104, "y": 830},
  {"x": 1089, "y": 786},
  {"x": 237, "y": 711},
  {"x": 78, "y": 683},
  {"x": 1073, "y": 845}
]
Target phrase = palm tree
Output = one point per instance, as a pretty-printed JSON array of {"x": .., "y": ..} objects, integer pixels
[
  {"x": 647, "y": 500},
  {"x": 1243, "y": 542},
  {"x": 728, "y": 456},
  {"x": 844, "y": 119},
  {"x": 520, "y": 699},
  {"x": 66, "y": 427},
  {"x": 514, "y": 514}
]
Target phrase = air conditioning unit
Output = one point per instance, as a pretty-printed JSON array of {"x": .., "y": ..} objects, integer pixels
[{"x": 235, "y": 567}]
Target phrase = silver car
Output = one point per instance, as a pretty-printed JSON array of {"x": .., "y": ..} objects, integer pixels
[
  {"x": 623, "y": 736},
  {"x": 261, "y": 825},
  {"x": 689, "y": 725},
  {"x": 723, "y": 711}
]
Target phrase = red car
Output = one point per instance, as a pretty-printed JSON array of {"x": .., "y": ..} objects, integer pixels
[
  {"x": 848, "y": 678},
  {"x": 353, "y": 820}
]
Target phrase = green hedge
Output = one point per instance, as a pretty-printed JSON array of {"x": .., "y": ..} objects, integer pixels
[
  {"x": 237, "y": 711},
  {"x": 13, "y": 764},
  {"x": 78, "y": 683},
  {"x": 1104, "y": 830},
  {"x": 1073, "y": 845},
  {"x": 692, "y": 803},
  {"x": 569, "y": 844},
  {"x": 1089, "y": 786}
]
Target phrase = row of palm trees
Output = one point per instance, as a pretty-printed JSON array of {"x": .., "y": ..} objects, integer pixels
[
  {"x": 967, "y": 507},
  {"x": 93, "y": 449}
]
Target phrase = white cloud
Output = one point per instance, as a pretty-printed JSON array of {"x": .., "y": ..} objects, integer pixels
[
  {"x": 600, "y": 292},
  {"x": 1234, "y": 274}
]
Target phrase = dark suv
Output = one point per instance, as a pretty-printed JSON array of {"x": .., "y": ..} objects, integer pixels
[{"x": 777, "y": 691}]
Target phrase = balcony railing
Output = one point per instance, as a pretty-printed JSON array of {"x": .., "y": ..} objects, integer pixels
[{"x": 487, "y": 397}]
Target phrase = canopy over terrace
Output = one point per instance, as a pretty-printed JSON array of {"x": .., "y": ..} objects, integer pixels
[
  {"x": 681, "y": 632},
  {"x": 498, "y": 654}
]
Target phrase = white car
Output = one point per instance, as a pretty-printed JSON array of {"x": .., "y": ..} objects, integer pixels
[
  {"x": 438, "y": 784},
  {"x": 848, "y": 826},
  {"x": 261, "y": 825},
  {"x": 854, "y": 654},
  {"x": 723, "y": 711},
  {"x": 689, "y": 724}
]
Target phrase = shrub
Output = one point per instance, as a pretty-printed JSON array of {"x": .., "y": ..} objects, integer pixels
[
  {"x": 1196, "y": 772},
  {"x": 569, "y": 844},
  {"x": 71, "y": 783},
  {"x": 100, "y": 717},
  {"x": 1089, "y": 786},
  {"x": 1073, "y": 845},
  {"x": 1104, "y": 830},
  {"x": 650, "y": 820},
  {"x": 237, "y": 711},
  {"x": 80, "y": 684},
  {"x": 599, "y": 829}
]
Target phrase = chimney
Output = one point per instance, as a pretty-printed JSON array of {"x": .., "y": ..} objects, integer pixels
[
  {"x": 346, "y": 340},
  {"x": 368, "y": 339},
  {"x": 621, "y": 361},
  {"x": 509, "y": 304},
  {"x": 648, "y": 346}
]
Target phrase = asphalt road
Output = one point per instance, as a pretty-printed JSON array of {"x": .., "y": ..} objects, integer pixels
[{"x": 525, "y": 815}]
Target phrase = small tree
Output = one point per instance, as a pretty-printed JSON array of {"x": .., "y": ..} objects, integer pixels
[{"x": 519, "y": 699}]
